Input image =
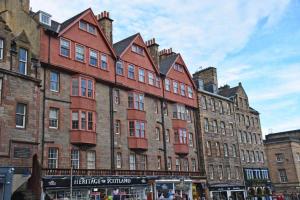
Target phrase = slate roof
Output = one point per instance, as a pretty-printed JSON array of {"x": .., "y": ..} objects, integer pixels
[
  {"x": 166, "y": 63},
  {"x": 71, "y": 20},
  {"x": 120, "y": 46},
  {"x": 228, "y": 92}
]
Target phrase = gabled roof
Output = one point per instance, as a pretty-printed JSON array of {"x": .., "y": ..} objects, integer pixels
[
  {"x": 71, "y": 20},
  {"x": 121, "y": 46},
  {"x": 228, "y": 92},
  {"x": 166, "y": 63}
]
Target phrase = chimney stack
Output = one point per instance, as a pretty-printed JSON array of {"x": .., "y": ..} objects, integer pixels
[
  {"x": 165, "y": 53},
  {"x": 152, "y": 46},
  {"x": 106, "y": 25},
  {"x": 209, "y": 79}
]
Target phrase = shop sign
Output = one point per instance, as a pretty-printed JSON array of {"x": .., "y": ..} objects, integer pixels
[
  {"x": 78, "y": 181},
  {"x": 227, "y": 188}
]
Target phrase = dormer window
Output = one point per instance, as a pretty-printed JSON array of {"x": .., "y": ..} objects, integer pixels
[
  {"x": 137, "y": 49},
  {"x": 45, "y": 18},
  {"x": 178, "y": 67},
  {"x": 87, "y": 27}
]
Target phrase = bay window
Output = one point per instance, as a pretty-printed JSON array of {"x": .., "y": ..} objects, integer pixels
[
  {"x": 137, "y": 128},
  {"x": 83, "y": 120},
  {"x": 180, "y": 136},
  {"x": 179, "y": 112},
  {"x": 83, "y": 87},
  {"x": 136, "y": 101}
]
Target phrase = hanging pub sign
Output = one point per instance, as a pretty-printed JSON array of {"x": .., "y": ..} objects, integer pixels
[{"x": 87, "y": 181}]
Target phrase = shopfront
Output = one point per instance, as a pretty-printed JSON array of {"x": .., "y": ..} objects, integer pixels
[
  {"x": 96, "y": 188},
  {"x": 172, "y": 188},
  {"x": 223, "y": 192},
  {"x": 6, "y": 180}
]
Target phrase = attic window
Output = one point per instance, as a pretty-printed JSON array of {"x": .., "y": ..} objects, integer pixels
[
  {"x": 87, "y": 27},
  {"x": 45, "y": 18},
  {"x": 178, "y": 67},
  {"x": 137, "y": 49}
]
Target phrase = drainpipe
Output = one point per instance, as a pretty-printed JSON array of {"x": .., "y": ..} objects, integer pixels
[
  {"x": 112, "y": 135},
  {"x": 44, "y": 104},
  {"x": 163, "y": 125}
]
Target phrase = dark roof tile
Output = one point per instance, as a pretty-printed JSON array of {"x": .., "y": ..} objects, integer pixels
[
  {"x": 166, "y": 63},
  {"x": 120, "y": 46}
]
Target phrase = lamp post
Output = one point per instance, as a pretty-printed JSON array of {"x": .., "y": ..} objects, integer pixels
[{"x": 71, "y": 181}]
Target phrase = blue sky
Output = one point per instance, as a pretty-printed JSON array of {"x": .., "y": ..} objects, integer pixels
[{"x": 254, "y": 42}]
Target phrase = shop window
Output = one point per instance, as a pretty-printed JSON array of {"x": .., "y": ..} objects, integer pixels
[
  {"x": 21, "y": 115},
  {"x": 52, "y": 158},
  {"x": 23, "y": 56},
  {"x": 54, "y": 81},
  {"x": 131, "y": 71},
  {"x": 53, "y": 118},
  {"x": 91, "y": 159},
  {"x": 93, "y": 58},
  {"x": 75, "y": 159},
  {"x": 137, "y": 129},
  {"x": 104, "y": 63},
  {"x": 180, "y": 136},
  {"x": 136, "y": 101}
]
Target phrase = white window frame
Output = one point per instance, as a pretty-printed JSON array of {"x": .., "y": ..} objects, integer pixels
[
  {"x": 190, "y": 92},
  {"x": 182, "y": 89},
  {"x": 46, "y": 16},
  {"x": 78, "y": 53},
  {"x": 1, "y": 48},
  {"x": 55, "y": 82},
  {"x": 104, "y": 62},
  {"x": 22, "y": 114},
  {"x": 23, "y": 61},
  {"x": 169, "y": 163},
  {"x": 151, "y": 79},
  {"x": 132, "y": 161},
  {"x": 54, "y": 158},
  {"x": 141, "y": 75},
  {"x": 167, "y": 85},
  {"x": 130, "y": 73},
  {"x": 75, "y": 161},
  {"x": 65, "y": 47},
  {"x": 93, "y": 54},
  {"x": 55, "y": 119},
  {"x": 91, "y": 160},
  {"x": 175, "y": 87},
  {"x": 119, "y": 160}
]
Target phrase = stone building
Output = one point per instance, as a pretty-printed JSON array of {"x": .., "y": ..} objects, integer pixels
[
  {"x": 283, "y": 153},
  {"x": 251, "y": 149},
  {"x": 219, "y": 138},
  {"x": 19, "y": 94}
]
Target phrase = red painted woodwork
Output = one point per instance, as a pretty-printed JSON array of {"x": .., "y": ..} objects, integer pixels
[
  {"x": 137, "y": 143},
  {"x": 179, "y": 123},
  {"x": 139, "y": 61},
  {"x": 181, "y": 77},
  {"x": 136, "y": 114},
  {"x": 78, "y": 36},
  {"x": 181, "y": 149},
  {"x": 83, "y": 137},
  {"x": 78, "y": 102}
]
